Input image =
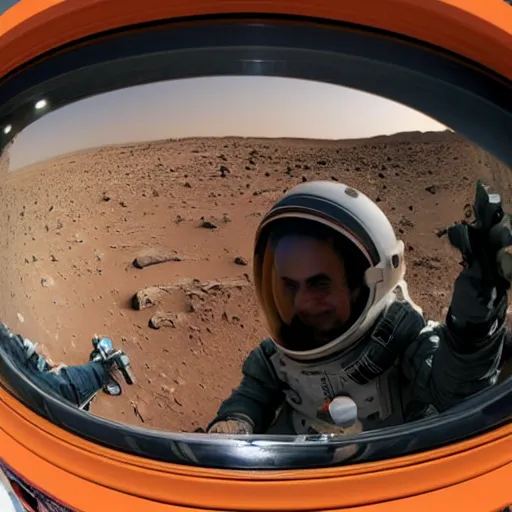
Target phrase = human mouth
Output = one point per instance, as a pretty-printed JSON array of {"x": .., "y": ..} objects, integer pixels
[{"x": 316, "y": 320}]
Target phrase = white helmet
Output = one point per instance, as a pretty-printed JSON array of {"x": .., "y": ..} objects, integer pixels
[{"x": 360, "y": 221}]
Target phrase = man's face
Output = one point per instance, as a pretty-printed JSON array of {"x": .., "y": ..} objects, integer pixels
[{"x": 313, "y": 276}]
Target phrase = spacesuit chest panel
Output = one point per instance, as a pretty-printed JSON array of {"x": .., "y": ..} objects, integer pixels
[
  {"x": 310, "y": 387},
  {"x": 369, "y": 374}
]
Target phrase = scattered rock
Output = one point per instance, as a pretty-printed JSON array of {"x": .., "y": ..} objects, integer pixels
[
  {"x": 154, "y": 257},
  {"x": 147, "y": 298},
  {"x": 136, "y": 410},
  {"x": 240, "y": 261},
  {"x": 406, "y": 223},
  {"x": 151, "y": 296},
  {"x": 219, "y": 285},
  {"x": 161, "y": 319},
  {"x": 207, "y": 224},
  {"x": 47, "y": 282}
]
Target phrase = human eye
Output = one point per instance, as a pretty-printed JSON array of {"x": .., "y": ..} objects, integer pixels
[
  {"x": 323, "y": 284},
  {"x": 320, "y": 283},
  {"x": 290, "y": 286}
]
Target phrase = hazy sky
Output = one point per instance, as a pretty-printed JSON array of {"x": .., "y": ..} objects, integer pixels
[{"x": 216, "y": 106}]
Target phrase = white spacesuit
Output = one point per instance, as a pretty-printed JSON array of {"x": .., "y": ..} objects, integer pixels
[{"x": 329, "y": 275}]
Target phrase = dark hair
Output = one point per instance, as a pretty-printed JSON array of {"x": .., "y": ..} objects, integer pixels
[{"x": 355, "y": 262}]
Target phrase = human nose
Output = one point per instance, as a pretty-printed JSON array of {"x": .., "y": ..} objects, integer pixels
[{"x": 304, "y": 301}]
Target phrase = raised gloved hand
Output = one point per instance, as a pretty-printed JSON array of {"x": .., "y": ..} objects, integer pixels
[
  {"x": 232, "y": 426},
  {"x": 474, "y": 300},
  {"x": 500, "y": 241},
  {"x": 479, "y": 299}
]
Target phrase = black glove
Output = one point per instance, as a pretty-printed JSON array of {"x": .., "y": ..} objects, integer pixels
[
  {"x": 500, "y": 243},
  {"x": 479, "y": 300},
  {"x": 477, "y": 308}
]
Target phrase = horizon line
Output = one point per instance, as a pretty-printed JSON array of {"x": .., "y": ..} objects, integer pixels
[{"x": 217, "y": 137}]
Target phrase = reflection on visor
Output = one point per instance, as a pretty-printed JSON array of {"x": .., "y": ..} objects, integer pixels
[{"x": 312, "y": 288}]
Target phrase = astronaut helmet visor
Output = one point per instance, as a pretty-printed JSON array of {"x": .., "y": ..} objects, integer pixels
[{"x": 311, "y": 283}]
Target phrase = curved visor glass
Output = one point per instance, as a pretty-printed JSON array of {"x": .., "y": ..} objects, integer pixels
[{"x": 311, "y": 284}]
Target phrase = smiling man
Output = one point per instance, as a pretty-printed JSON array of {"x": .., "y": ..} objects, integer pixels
[
  {"x": 314, "y": 282},
  {"x": 329, "y": 274}
]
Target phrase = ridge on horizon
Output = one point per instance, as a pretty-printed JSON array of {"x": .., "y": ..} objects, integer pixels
[{"x": 397, "y": 137}]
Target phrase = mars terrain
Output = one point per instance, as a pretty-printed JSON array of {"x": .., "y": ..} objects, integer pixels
[{"x": 79, "y": 230}]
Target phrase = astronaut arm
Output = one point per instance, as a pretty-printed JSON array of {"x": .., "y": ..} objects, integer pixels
[
  {"x": 443, "y": 371},
  {"x": 258, "y": 396},
  {"x": 450, "y": 362}
]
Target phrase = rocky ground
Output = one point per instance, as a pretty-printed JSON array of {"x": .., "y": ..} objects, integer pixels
[{"x": 78, "y": 229}]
